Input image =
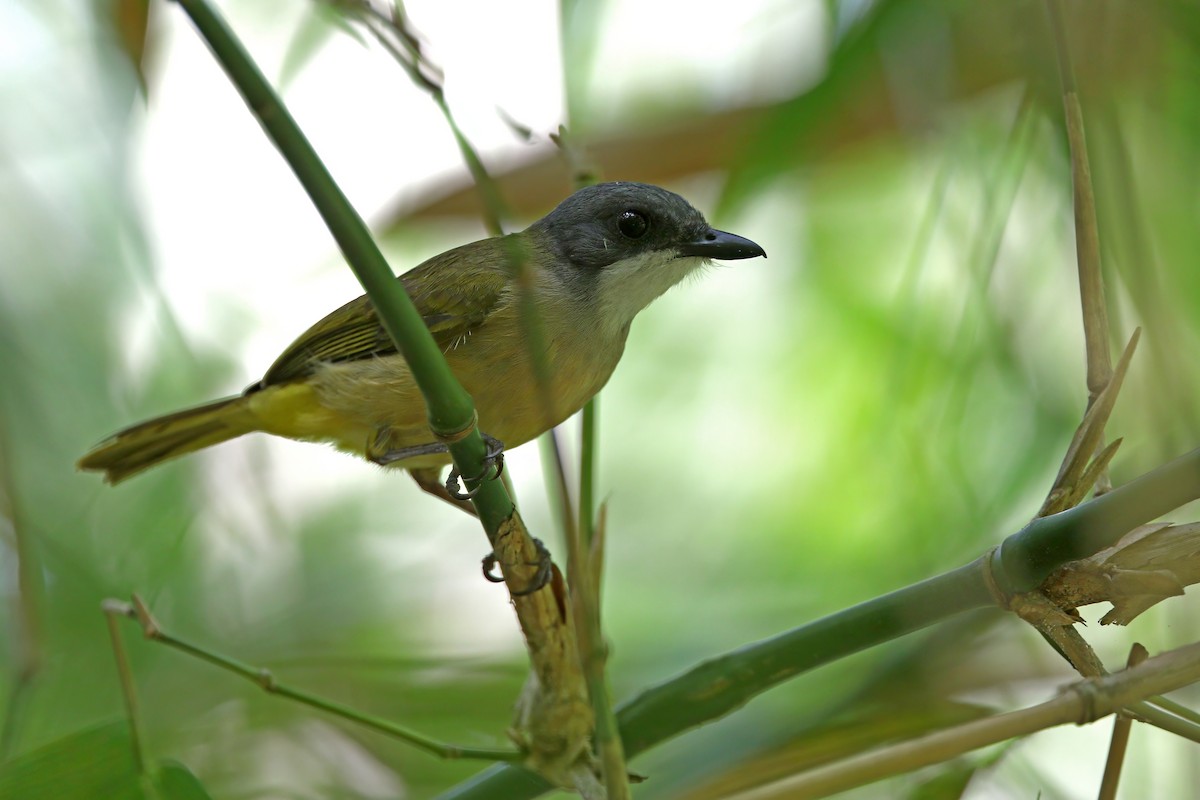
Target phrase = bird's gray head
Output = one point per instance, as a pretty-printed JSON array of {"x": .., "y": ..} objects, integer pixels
[{"x": 621, "y": 245}]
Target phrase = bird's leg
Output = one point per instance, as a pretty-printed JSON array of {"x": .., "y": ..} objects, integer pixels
[
  {"x": 545, "y": 565},
  {"x": 380, "y": 451}
]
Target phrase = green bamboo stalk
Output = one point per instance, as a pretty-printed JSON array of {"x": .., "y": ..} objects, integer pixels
[
  {"x": 723, "y": 684},
  {"x": 1046, "y": 543},
  {"x": 1095, "y": 524},
  {"x": 707, "y": 692},
  {"x": 451, "y": 409}
]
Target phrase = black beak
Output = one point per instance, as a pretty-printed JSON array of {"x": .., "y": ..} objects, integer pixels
[{"x": 722, "y": 245}]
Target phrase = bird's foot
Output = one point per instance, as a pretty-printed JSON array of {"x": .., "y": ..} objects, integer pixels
[
  {"x": 493, "y": 458},
  {"x": 544, "y": 564}
]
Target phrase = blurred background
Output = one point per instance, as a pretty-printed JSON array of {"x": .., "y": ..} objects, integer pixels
[{"x": 885, "y": 398}]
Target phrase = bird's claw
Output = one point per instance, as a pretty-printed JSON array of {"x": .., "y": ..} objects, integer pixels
[
  {"x": 544, "y": 564},
  {"x": 494, "y": 457}
]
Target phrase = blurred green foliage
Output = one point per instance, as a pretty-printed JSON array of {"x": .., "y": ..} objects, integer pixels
[{"x": 886, "y": 397}]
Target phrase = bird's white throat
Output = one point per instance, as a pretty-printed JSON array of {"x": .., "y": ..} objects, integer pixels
[{"x": 625, "y": 287}]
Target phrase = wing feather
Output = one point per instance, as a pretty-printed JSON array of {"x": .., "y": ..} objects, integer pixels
[{"x": 454, "y": 292}]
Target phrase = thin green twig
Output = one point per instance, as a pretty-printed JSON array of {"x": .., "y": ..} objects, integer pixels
[
  {"x": 395, "y": 34},
  {"x": 112, "y": 610},
  {"x": 588, "y": 447},
  {"x": 585, "y": 575},
  {"x": 1178, "y": 709},
  {"x": 1002, "y": 184},
  {"x": 1153, "y": 715},
  {"x": 28, "y": 635},
  {"x": 265, "y": 680}
]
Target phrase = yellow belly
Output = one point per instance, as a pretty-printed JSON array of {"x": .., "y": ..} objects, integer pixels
[{"x": 348, "y": 404}]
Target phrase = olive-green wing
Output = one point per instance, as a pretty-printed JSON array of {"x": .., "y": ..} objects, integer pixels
[{"x": 454, "y": 292}]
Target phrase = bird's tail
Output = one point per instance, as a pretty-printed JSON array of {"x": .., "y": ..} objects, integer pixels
[{"x": 146, "y": 444}]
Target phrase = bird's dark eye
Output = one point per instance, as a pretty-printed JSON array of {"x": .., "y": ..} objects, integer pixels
[{"x": 633, "y": 224}]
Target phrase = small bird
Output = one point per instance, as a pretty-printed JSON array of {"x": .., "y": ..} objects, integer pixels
[{"x": 595, "y": 261}]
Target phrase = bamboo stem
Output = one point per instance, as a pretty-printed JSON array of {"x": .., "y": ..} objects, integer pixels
[{"x": 1082, "y": 703}]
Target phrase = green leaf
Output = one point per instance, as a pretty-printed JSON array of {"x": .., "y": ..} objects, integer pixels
[
  {"x": 176, "y": 782},
  {"x": 315, "y": 29},
  {"x": 96, "y": 762},
  {"x": 951, "y": 782},
  {"x": 948, "y": 784},
  {"x": 786, "y": 137},
  {"x": 90, "y": 764}
]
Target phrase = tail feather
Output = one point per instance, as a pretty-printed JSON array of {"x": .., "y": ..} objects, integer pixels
[{"x": 144, "y": 445}]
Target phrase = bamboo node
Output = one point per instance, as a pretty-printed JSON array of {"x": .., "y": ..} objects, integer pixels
[
  {"x": 1089, "y": 696},
  {"x": 454, "y": 437}
]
